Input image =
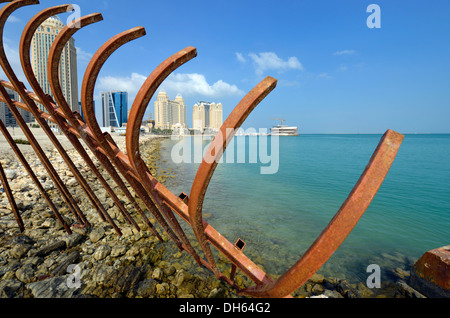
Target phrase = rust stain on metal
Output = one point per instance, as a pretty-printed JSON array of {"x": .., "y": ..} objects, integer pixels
[{"x": 158, "y": 200}]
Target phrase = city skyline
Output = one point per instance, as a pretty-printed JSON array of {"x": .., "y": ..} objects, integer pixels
[
  {"x": 336, "y": 73},
  {"x": 7, "y": 117}
]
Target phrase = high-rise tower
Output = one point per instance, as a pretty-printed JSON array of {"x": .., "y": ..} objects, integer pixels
[
  {"x": 115, "y": 108},
  {"x": 207, "y": 116},
  {"x": 169, "y": 113},
  {"x": 40, "y": 48}
]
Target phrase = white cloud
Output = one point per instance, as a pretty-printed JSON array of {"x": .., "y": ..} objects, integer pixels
[
  {"x": 270, "y": 61},
  {"x": 13, "y": 19},
  {"x": 324, "y": 75},
  {"x": 12, "y": 55},
  {"x": 130, "y": 84},
  {"x": 345, "y": 52},
  {"x": 240, "y": 57},
  {"x": 192, "y": 84},
  {"x": 196, "y": 84},
  {"x": 83, "y": 55},
  {"x": 342, "y": 68}
]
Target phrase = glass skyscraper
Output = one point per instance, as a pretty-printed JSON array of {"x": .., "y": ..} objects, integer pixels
[{"x": 114, "y": 108}]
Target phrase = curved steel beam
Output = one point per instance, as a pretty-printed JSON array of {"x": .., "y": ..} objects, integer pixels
[
  {"x": 91, "y": 74},
  {"x": 5, "y": 12},
  {"x": 137, "y": 112},
  {"x": 24, "y": 50},
  {"x": 215, "y": 152},
  {"x": 342, "y": 223},
  {"x": 119, "y": 159},
  {"x": 53, "y": 76},
  {"x": 144, "y": 96}
]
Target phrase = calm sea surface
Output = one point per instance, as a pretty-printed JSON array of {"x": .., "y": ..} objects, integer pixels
[{"x": 280, "y": 215}]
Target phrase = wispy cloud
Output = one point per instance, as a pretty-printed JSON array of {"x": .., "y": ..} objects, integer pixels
[
  {"x": 13, "y": 19},
  {"x": 342, "y": 68},
  {"x": 191, "y": 84},
  {"x": 83, "y": 55},
  {"x": 12, "y": 55},
  {"x": 240, "y": 57},
  {"x": 324, "y": 75},
  {"x": 196, "y": 84},
  {"x": 130, "y": 84},
  {"x": 345, "y": 52},
  {"x": 270, "y": 61}
]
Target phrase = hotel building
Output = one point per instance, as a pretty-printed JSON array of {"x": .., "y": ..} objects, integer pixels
[
  {"x": 207, "y": 116},
  {"x": 170, "y": 114},
  {"x": 40, "y": 48}
]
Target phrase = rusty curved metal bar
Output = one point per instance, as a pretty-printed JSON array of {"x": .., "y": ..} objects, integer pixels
[
  {"x": 9, "y": 195},
  {"x": 213, "y": 155},
  {"x": 6, "y": 11},
  {"x": 117, "y": 157},
  {"x": 32, "y": 175},
  {"x": 53, "y": 76},
  {"x": 137, "y": 112},
  {"x": 342, "y": 223},
  {"x": 24, "y": 49}
]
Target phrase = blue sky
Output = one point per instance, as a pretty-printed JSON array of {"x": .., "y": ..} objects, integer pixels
[{"x": 335, "y": 75}]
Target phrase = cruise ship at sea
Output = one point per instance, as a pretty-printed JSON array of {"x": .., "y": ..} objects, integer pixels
[{"x": 283, "y": 130}]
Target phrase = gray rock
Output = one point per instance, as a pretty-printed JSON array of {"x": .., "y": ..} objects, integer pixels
[
  {"x": 21, "y": 239},
  {"x": 64, "y": 263},
  {"x": 9, "y": 287},
  {"x": 332, "y": 294},
  {"x": 50, "y": 248},
  {"x": 169, "y": 271},
  {"x": 118, "y": 250},
  {"x": 25, "y": 274},
  {"x": 101, "y": 274},
  {"x": 344, "y": 288},
  {"x": 72, "y": 240},
  {"x": 10, "y": 174},
  {"x": 101, "y": 252},
  {"x": 181, "y": 277},
  {"x": 406, "y": 291},
  {"x": 157, "y": 274},
  {"x": 19, "y": 250},
  {"x": 162, "y": 289},
  {"x": 72, "y": 182},
  {"x": 49, "y": 223},
  {"x": 56, "y": 287},
  {"x": 127, "y": 278},
  {"x": 146, "y": 288},
  {"x": 96, "y": 234},
  {"x": 217, "y": 293}
]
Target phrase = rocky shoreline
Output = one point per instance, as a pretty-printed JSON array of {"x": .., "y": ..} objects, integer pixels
[{"x": 39, "y": 262}]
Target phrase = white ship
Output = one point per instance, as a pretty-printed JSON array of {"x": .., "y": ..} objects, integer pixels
[{"x": 283, "y": 130}]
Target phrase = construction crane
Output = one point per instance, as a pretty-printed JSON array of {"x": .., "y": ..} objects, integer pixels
[{"x": 282, "y": 120}]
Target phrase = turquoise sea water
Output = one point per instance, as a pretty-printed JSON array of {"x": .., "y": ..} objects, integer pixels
[{"x": 280, "y": 215}]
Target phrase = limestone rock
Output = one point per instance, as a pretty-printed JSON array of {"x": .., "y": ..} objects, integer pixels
[
  {"x": 96, "y": 234},
  {"x": 56, "y": 287},
  {"x": 9, "y": 287},
  {"x": 102, "y": 251},
  {"x": 146, "y": 288}
]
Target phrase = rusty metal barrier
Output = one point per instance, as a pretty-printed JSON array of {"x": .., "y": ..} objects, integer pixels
[{"x": 158, "y": 200}]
